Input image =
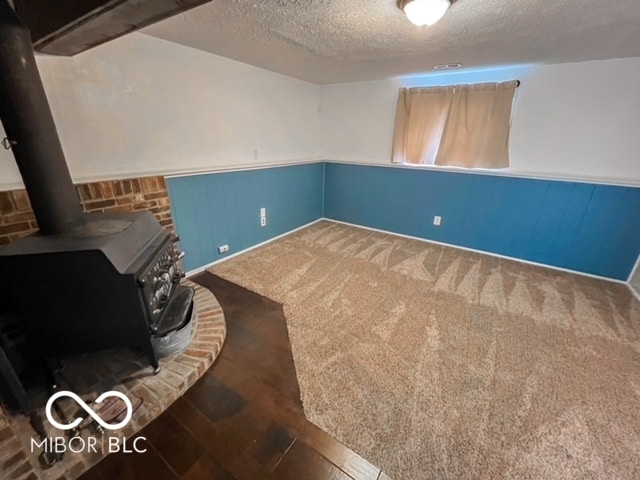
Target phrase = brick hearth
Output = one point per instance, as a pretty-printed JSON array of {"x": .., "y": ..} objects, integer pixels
[{"x": 127, "y": 372}]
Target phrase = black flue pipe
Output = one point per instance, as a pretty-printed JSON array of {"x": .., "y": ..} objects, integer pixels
[{"x": 31, "y": 131}]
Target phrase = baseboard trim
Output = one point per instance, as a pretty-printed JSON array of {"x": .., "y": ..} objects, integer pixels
[
  {"x": 528, "y": 262},
  {"x": 497, "y": 255},
  {"x": 190, "y": 273},
  {"x": 634, "y": 271}
]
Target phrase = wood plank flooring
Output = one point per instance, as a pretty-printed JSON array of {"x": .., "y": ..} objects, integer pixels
[{"x": 243, "y": 420}]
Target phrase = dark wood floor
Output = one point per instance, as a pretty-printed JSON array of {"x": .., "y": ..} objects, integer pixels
[{"x": 243, "y": 419}]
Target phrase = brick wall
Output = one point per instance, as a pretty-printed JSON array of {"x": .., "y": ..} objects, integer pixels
[{"x": 131, "y": 195}]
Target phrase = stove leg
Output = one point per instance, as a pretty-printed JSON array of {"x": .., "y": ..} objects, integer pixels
[{"x": 153, "y": 358}]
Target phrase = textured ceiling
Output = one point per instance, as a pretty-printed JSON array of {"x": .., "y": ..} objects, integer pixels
[{"x": 334, "y": 41}]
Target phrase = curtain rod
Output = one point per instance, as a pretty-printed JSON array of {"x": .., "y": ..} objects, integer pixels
[{"x": 518, "y": 83}]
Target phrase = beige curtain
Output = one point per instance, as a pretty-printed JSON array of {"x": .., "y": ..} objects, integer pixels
[
  {"x": 465, "y": 126},
  {"x": 421, "y": 115},
  {"x": 476, "y": 134}
]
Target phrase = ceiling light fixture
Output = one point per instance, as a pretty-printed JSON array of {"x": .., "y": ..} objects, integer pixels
[{"x": 424, "y": 12}]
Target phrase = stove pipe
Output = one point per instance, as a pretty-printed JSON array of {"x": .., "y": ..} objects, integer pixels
[{"x": 31, "y": 131}]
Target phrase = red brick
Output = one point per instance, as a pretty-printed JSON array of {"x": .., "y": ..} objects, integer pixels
[
  {"x": 21, "y": 200},
  {"x": 179, "y": 369},
  {"x": 5, "y": 434},
  {"x": 117, "y": 188},
  {"x": 118, "y": 208},
  {"x": 15, "y": 227},
  {"x": 16, "y": 217},
  {"x": 155, "y": 195},
  {"x": 198, "y": 354},
  {"x": 135, "y": 185},
  {"x": 96, "y": 194},
  {"x": 106, "y": 190},
  {"x": 188, "y": 361},
  {"x": 143, "y": 205},
  {"x": 157, "y": 184},
  {"x": 19, "y": 235},
  {"x": 21, "y": 470},
  {"x": 10, "y": 447},
  {"x": 127, "y": 187},
  {"x": 176, "y": 381},
  {"x": 151, "y": 184},
  {"x": 85, "y": 192},
  {"x": 144, "y": 183},
  {"x": 135, "y": 194},
  {"x": 164, "y": 393},
  {"x": 131, "y": 182},
  {"x": 6, "y": 202},
  {"x": 99, "y": 204},
  {"x": 13, "y": 460},
  {"x": 157, "y": 392},
  {"x": 159, "y": 210},
  {"x": 130, "y": 199}
]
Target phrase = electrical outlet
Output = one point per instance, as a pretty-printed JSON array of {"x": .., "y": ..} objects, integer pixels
[
  {"x": 263, "y": 217},
  {"x": 223, "y": 249},
  {"x": 437, "y": 220}
]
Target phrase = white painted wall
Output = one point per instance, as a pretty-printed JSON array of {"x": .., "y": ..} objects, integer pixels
[
  {"x": 575, "y": 121},
  {"x": 139, "y": 105}
]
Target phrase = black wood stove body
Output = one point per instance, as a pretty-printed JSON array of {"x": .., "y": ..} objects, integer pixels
[
  {"x": 84, "y": 282},
  {"x": 114, "y": 283}
]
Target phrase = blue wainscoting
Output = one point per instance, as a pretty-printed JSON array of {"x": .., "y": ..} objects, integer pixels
[
  {"x": 217, "y": 209},
  {"x": 590, "y": 228}
]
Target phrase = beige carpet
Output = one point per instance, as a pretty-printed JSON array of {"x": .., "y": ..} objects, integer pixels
[{"x": 433, "y": 362}]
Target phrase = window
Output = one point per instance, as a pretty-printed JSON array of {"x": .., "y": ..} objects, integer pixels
[{"x": 462, "y": 126}]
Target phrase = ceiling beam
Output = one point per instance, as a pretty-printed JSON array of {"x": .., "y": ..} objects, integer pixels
[{"x": 68, "y": 27}]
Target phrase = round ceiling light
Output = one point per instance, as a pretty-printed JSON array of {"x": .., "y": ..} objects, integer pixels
[{"x": 424, "y": 12}]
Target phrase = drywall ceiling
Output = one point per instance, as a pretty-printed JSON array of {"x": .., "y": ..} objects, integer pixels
[{"x": 334, "y": 41}]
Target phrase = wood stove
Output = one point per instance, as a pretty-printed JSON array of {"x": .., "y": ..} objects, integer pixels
[
  {"x": 112, "y": 283},
  {"x": 85, "y": 282}
]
